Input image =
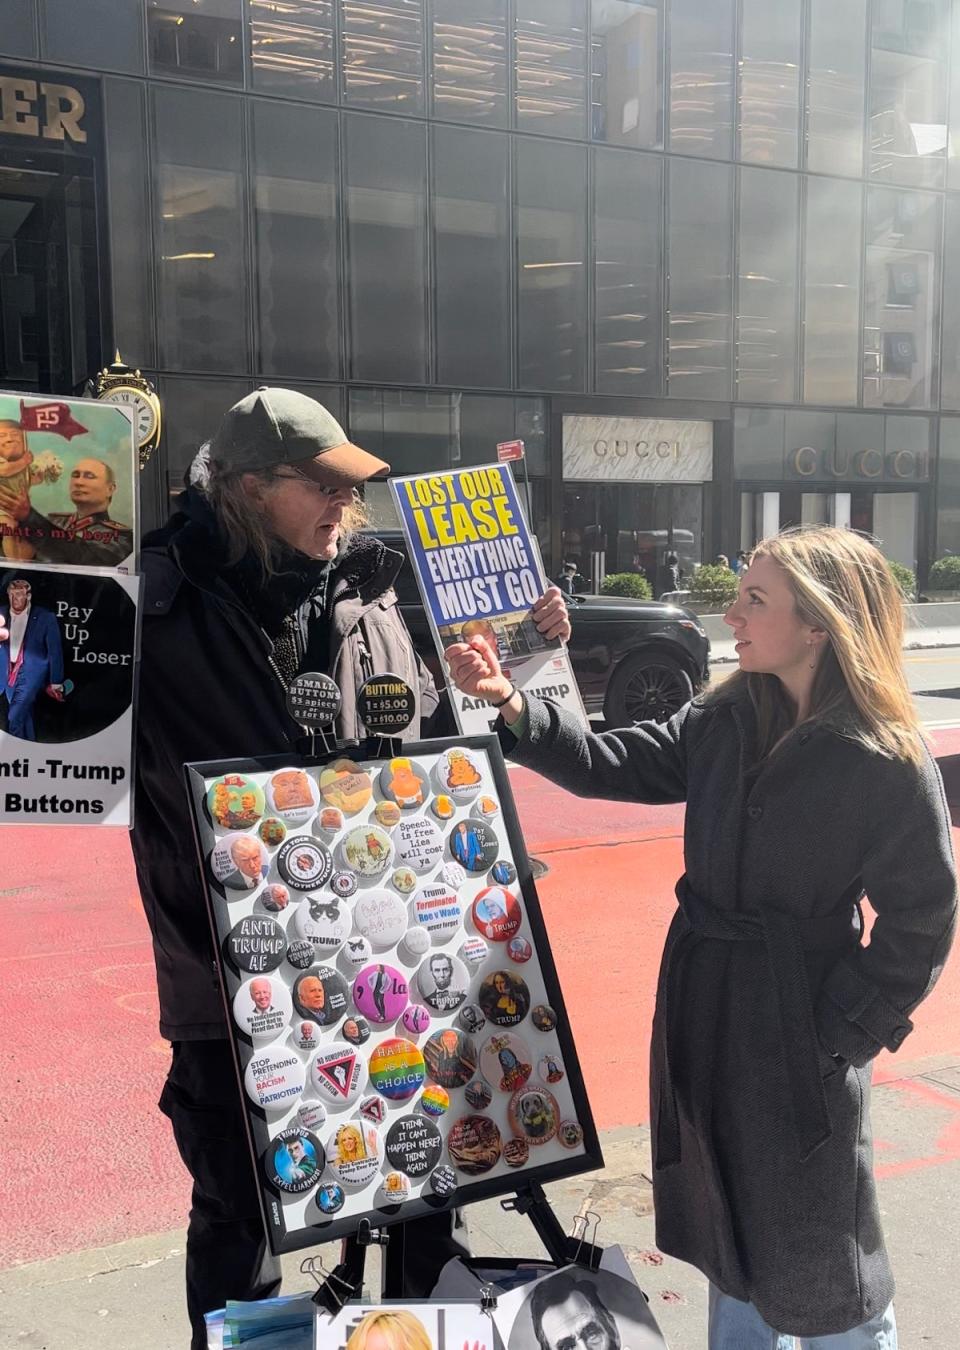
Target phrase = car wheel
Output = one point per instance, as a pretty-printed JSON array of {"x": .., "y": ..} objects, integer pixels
[{"x": 647, "y": 689}]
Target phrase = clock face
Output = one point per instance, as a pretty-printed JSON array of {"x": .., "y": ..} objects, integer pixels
[{"x": 144, "y": 414}]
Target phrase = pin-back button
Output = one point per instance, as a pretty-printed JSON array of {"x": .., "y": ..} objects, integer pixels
[
  {"x": 239, "y": 861},
  {"x": 438, "y": 911},
  {"x": 336, "y": 1073},
  {"x": 519, "y": 950},
  {"x": 345, "y": 786},
  {"x": 396, "y": 1069},
  {"x": 405, "y": 782},
  {"x": 381, "y": 917},
  {"x": 505, "y": 1061},
  {"x": 235, "y": 802},
  {"x": 321, "y": 994},
  {"x": 496, "y": 913},
  {"x": 543, "y": 1017},
  {"x": 256, "y": 943},
  {"x": 443, "y": 1181},
  {"x": 413, "y": 1146},
  {"x": 324, "y": 922},
  {"x": 474, "y": 1145},
  {"x": 354, "y": 1153},
  {"x": 381, "y": 993},
  {"x": 419, "y": 843},
  {"x": 330, "y": 1198},
  {"x": 450, "y": 1057},
  {"x": 293, "y": 795},
  {"x": 570, "y": 1133},
  {"x": 274, "y": 1078},
  {"x": 550, "y": 1069},
  {"x": 305, "y": 864},
  {"x": 434, "y": 1101},
  {"x": 368, "y": 850},
  {"x": 416, "y": 1019},
  {"x": 478, "y": 1094},
  {"x": 293, "y": 1161},
  {"x": 473, "y": 845},
  {"x": 443, "y": 981},
  {"x": 356, "y": 1030},
  {"x": 504, "y": 998},
  {"x": 458, "y": 773},
  {"x": 262, "y": 1007},
  {"x": 534, "y": 1114}
]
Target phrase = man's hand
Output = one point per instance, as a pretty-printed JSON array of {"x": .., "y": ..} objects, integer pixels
[
  {"x": 550, "y": 615},
  {"x": 55, "y": 691},
  {"x": 475, "y": 670},
  {"x": 4, "y": 632},
  {"x": 14, "y": 503}
]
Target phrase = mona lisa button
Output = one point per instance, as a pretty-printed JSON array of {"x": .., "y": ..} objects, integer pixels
[{"x": 256, "y": 943}]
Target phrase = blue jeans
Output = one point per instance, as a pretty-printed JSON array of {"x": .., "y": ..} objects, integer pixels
[{"x": 738, "y": 1326}]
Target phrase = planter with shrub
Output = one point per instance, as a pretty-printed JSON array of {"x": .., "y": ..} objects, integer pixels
[
  {"x": 713, "y": 588},
  {"x": 630, "y": 584}
]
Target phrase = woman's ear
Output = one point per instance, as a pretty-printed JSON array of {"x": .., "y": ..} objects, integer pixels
[{"x": 254, "y": 487}]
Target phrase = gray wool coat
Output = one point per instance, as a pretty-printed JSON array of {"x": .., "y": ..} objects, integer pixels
[{"x": 771, "y": 1005}]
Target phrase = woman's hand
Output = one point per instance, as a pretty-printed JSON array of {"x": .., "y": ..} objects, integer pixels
[
  {"x": 550, "y": 615},
  {"x": 475, "y": 670}
]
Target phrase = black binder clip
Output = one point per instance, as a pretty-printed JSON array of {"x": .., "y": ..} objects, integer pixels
[
  {"x": 333, "y": 1290},
  {"x": 488, "y": 1299}
]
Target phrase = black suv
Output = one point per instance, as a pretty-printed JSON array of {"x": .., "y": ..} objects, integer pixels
[{"x": 634, "y": 660}]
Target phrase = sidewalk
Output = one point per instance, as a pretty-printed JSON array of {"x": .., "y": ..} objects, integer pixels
[{"x": 130, "y": 1294}]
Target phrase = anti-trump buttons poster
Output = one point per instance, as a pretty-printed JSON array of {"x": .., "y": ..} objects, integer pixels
[{"x": 67, "y": 668}]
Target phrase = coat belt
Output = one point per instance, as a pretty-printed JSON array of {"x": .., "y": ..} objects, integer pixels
[{"x": 784, "y": 938}]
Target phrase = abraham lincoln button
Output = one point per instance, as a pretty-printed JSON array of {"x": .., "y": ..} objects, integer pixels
[
  {"x": 405, "y": 782},
  {"x": 458, "y": 774},
  {"x": 419, "y": 843},
  {"x": 413, "y": 1146},
  {"x": 496, "y": 913},
  {"x": 474, "y": 1145},
  {"x": 336, "y": 1073},
  {"x": 381, "y": 917},
  {"x": 256, "y": 944},
  {"x": 321, "y": 994},
  {"x": 304, "y": 864},
  {"x": 534, "y": 1114},
  {"x": 473, "y": 845},
  {"x": 354, "y": 1153},
  {"x": 450, "y": 1057},
  {"x": 345, "y": 786},
  {"x": 324, "y": 922},
  {"x": 504, "y": 998},
  {"x": 386, "y": 705},
  {"x": 235, "y": 802},
  {"x": 294, "y": 1161},
  {"x": 438, "y": 911},
  {"x": 443, "y": 1181},
  {"x": 368, "y": 850},
  {"x": 274, "y": 1078},
  {"x": 262, "y": 1007},
  {"x": 443, "y": 981},
  {"x": 396, "y": 1069},
  {"x": 293, "y": 795},
  {"x": 381, "y": 993},
  {"x": 505, "y": 1061},
  {"x": 240, "y": 861},
  {"x": 313, "y": 699}
]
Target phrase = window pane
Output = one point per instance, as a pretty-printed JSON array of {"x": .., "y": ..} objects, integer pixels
[
  {"x": 551, "y": 66},
  {"x": 131, "y": 254},
  {"x": 385, "y": 180},
  {"x": 472, "y": 250},
  {"x": 701, "y": 77},
  {"x": 192, "y": 410},
  {"x": 291, "y": 48},
  {"x": 627, "y": 62},
  {"x": 470, "y": 61},
  {"x": 295, "y": 201},
  {"x": 771, "y": 41},
  {"x": 551, "y": 197},
  {"x": 383, "y": 54},
  {"x": 203, "y": 264},
  {"x": 950, "y": 372},
  {"x": 832, "y": 291},
  {"x": 411, "y": 429},
  {"x": 101, "y": 34},
  {"x": 18, "y": 37},
  {"x": 628, "y": 196},
  {"x": 953, "y": 170},
  {"x": 948, "y": 488},
  {"x": 767, "y": 321},
  {"x": 901, "y": 288},
  {"x": 838, "y": 52},
  {"x": 908, "y": 115},
  {"x": 198, "y": 39},
  {"x": 701, "y": 280}
]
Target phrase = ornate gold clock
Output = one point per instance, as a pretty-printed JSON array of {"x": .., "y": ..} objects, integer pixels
[{"x": 117, "y": 383}]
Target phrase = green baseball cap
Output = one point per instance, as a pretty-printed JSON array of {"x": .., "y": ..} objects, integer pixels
[{"x": 281, "y": 426}]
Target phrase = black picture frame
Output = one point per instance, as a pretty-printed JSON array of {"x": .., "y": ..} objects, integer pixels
[{"x": 473, "y": 1190}]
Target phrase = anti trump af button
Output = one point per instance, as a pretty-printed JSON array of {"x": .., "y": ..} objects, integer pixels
[{"x": 256, "y": 944}]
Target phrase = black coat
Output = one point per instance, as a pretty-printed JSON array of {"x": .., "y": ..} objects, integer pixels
[
  {"x": 209, "y": 690},
  {"x": 770, "y": 1007}
]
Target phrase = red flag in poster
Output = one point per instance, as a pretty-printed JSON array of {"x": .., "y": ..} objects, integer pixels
[
  {"x": 507, "y": 450},
  {"x": 53, "y": 417}
]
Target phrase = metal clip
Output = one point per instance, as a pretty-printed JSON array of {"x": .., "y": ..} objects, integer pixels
[
  {"x": 488, "y": 1299},
  {"x": 581, "y": 1228}
]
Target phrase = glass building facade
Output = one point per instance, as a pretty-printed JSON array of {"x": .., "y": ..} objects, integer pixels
[{"x": 701, "y": 256}]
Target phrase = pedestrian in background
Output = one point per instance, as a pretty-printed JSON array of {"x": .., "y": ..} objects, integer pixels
[
  {"x": 565, "y": 581},
  {"x": 721, "y": 560},
  {"x": 807, "y": 782},
  {"x": 740, "y": 562}
]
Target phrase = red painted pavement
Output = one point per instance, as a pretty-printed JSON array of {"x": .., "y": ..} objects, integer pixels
[{"x": 90, "y": 1160}]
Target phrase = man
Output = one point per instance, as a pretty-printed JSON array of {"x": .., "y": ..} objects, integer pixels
[
  {"x": 31, "y": 657},
  {"x": 261, "y": 991},
  {"x": 258, "y": 575},
  {"x": 569, "y": 1314},
  {"x": 303, "y": 1164},
  {"x": 441, "y": 968},
  {"x": 85, "y": 535},
  {"x": 247, "y": 857}
]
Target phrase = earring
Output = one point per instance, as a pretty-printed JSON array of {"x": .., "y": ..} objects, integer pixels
[{"x": 813, "y": 656}]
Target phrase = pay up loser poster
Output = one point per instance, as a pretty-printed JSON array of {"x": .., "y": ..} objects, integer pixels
[{"x": 479, "y": 573}]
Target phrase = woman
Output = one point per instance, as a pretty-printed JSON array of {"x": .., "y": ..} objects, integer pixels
[
  {"x": 390, "y": 1329},
  {"x": 807, "y": 781}
]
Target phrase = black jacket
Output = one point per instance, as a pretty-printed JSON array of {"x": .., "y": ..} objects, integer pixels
[{"x": 208, "y": 690}]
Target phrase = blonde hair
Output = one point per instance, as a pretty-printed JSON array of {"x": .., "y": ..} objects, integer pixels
[
  {"x": 841, "y": 583},
  {"x": 400, "y": 1329}
]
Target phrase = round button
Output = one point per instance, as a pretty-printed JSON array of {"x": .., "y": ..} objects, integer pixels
[
  {"x": 434, "y": 1101},
  {"x": 519, "y": 950},
  {"x": 405, "y": 880},
  {"x": 504, "y": 998},
  {"x": 438, "y": 911},
  {"x": 413, "y": 1146},
  {"x": 373, "y": 1108},
  {"x": 321, "y": 995},
  {"x": 551, "y": 1069},
  {"x": 274, "y": 1078},
  {"x": 415, "y": 944},
  {"x": 354, "y": 1153},
  {"x": 486, "y": 808},
  {"x": 356, "y": 1030},
  {"x": 416, "y": 1019},
  {"x": 381, "y": 993},
  {"x": 405, "y": 782},
  {"x": 313, "y": 699},
  {"x": 387, "y": 814},
  {"x": 496, "y": 913},
  {"x": 357, "y": 951},
  {"x": 516, "y": 1152},
  {"x": 453, "y": 875},
  {"x": 478, "y": 1095},
  {"x": 534, "y": 1115},
  {"x": 450, "y": 1057},
  {"x": 293, "y": 794},
  {"x": 443, "y": 981},
  {"x": 543, "y": 1017},
  {"x": 368, "y": 850},
  {"x": 503, "y": 873},
  {"x": 570, "y": 1133},
  {"x": 394, "y": 1190},
  {"x": 473, "y": 845},
  {"x": 396, "y": 1069},
  {"x": 381, "y": 917},
  {"x": 336, "y": 1073},
  {"x": 312, "y": 1115},
  {"x": 506, "y": 1062},
  {"x": 329, "y": 821},
  {"x": 294, "y": 1161},
  {"x": 458, "y": 774},
  {"x": 235, "y": 802},
  {"x": 256, "y": 943},
  {"x": 474, "y": 952},
  {"x": 345, "y": 786},
  {"x": 471, "y": 1018},
  {"x": 323, "y": 922},
  {"x": 344, "y": 884},
  {"x": 330, "y": 1198},
  {"x": 304, "y": 864},
  {"x": 474, "y": 1145},
  {"x": 274, "y": 898},
  {"x": 239, "y": 861},
  {"x": 300, "y": 954},
  {"x": 262, "y": 1007},
  {"x": 305, "y": 1036},
  {"x": 272, "y": 831},
  {"x": 419, "y": 843},
  {"x": 443, "y": 1181},
  {"x": 386, "y": 705},
  {"x": 443, "y": 807}
]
